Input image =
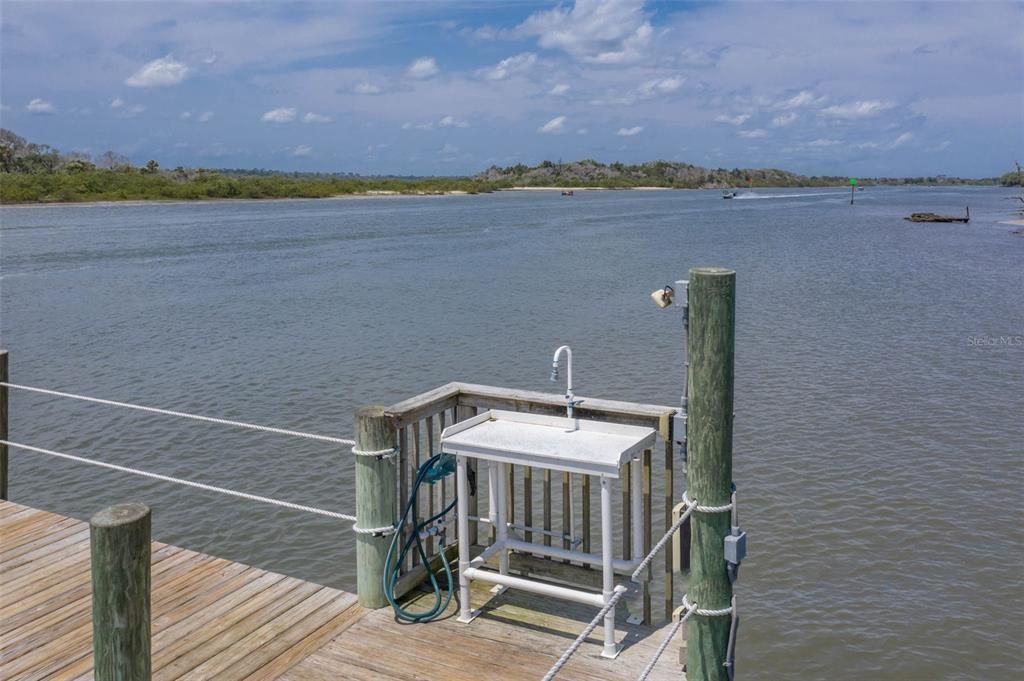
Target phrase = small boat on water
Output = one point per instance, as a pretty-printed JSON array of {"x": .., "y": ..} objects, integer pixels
[
  {"x": 569, "y": 192},
  {"x": 730, "y": 194}
]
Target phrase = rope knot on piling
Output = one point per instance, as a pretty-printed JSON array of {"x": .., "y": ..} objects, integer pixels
[
  {"x": 378, "y": 454},
  {"x": 385, "y": 531},
  {"x": 705, "y": 612},
  {"x": 707, "y": 509}
]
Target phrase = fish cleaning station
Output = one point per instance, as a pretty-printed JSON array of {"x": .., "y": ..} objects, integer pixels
[{"x": 499, "y": 534}]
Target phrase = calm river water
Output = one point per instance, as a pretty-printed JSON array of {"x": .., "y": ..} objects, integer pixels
[{"x": 880, "y": 418}]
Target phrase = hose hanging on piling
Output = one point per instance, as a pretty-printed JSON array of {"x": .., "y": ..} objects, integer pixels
[{"x": 432, "y": 470}]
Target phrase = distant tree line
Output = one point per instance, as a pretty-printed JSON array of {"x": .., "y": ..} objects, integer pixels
[{"x": 40, "y": 173}]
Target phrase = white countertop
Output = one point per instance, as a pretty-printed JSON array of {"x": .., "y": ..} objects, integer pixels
[{"x": 552, "y": 442}]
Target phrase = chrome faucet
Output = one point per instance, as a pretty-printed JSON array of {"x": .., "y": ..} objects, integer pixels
[{"x": 570, "y": 398}]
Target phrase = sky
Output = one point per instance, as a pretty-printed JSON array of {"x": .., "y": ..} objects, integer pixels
[{"x": 857, "y": 88}]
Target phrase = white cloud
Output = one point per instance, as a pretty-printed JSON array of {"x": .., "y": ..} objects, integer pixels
[
  {"x": 661, "y": 86},
  {"x": 582, "y": 131},
  {"x": 449, "y": 149},
  {"x": 302, "y": 150},
  {"x": 159, "y": 73},
  {"x": 823, "y": 142},
  {"x": 511, "y": 66},
  {"x": 901, "y": 140},
  {"x": 800, "y": 100},
  {"x": 629, "y": 132},
  {"x": 738, "y": 119},
  {"x": 752, "y": 134},
  {"x": 555, "y": 125},
  {"x": 452, "y": 122},
  {"x": 206, "y": 117},
  {"x": 211, "y": 60},
  {"x": 424, "y": 67},
  {"x": 316, "y": 118},
  {"x": 185, "y": 115},
  {"x": 860, "y": 109},
  {"x": 4, "y": 107},
  {"x": 117, "y": 103},
  {"x": 282, "y": 115},
  {"x": 783, "y": 120},
  {"x": 365, "y": 88},
  {"x": 609, "y": 32},
  {"x": 41, "y": 106},
  {"x": 559, "y": 90}
]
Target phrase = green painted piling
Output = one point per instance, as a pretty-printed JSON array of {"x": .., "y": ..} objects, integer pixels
[
  {"x": 376, "y": 492},
  {"x": 119, "y": 540},
  {"x": 712, "y": 298}
]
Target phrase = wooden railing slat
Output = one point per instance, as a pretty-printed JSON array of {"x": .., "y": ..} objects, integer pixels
[
  {"x": 547, "y": 505},
  {"x": 528, "y": 501},
  {"x": 646, "y": 464},
  {"x": 585, "y": 515}
]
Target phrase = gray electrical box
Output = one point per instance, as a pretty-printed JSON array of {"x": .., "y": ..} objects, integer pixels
[
  {"x": 679, "y": 429},
  {"x": 736, "y": 546}
]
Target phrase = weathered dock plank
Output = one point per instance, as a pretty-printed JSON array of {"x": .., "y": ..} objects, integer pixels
[
  {"x": 212, "y": 618},
  {"x": 216, "y": 619}
]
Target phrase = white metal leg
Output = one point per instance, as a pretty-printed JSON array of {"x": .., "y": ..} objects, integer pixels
[
  {"x": 499, "y": 471},
  {"x": 466, "y": 613},
  {"x": 608, "y": 582},
  {"x": 492, "y": 483},
  {"x": 637, "y": 521}
]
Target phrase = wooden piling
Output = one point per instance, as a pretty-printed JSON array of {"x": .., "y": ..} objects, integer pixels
[
  {"x": 3, "y": 425},
  {"x": 119, "y": 539},
  {"x": 376, "y": 504},
  {"x": 711, "y": 350}
]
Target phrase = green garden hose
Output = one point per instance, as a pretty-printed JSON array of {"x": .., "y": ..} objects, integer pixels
[{"x": 432, "y": 470}]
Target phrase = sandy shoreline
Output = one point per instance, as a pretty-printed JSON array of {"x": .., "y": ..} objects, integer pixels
[{"x": 372, "y": 194}]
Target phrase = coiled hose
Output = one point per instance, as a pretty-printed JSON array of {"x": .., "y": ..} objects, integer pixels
[{"x": 433, "y": 469}]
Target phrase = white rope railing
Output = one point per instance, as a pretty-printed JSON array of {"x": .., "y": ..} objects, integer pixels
[
  {"x": 664, "y": 644},
  {"x": 203, "y": 486},
  {"x": 182, "y": 414},
  {"x": 664, "y": 540},
  {"x": 557, "y": 666}
]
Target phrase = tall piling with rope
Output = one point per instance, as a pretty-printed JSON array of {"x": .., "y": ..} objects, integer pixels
[
  {"x": 376, "y": 501},
  {"x": 712, "y": 322}
]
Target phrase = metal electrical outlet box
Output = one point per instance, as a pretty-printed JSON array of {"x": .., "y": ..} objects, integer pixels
[
  {"x": 679, "y": 428},
  {"x": 736, "y": 546}
]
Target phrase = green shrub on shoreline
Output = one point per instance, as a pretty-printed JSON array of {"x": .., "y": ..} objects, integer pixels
[{"x": 38, "y": 173}]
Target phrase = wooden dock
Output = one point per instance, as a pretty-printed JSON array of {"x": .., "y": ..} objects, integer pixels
[{"x": 216, "y": 619}]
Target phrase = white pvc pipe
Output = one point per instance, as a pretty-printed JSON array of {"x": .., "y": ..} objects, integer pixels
[
  {"x": 485, "y": 555},
  {"x": 492, "y": 504},
  {"x": 501, "y": 533},
  {"x": 527, "y": 528},
  {"x": 636, "y": 501},
  {"x": 462, "y": 490},
  {"x": 596, "y": 600},
  {"x": 608, "y": 578},
  {"x": 597, "y": 560}
]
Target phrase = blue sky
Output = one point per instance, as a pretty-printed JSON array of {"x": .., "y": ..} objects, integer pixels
[{"x": 854, "y": 87}]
